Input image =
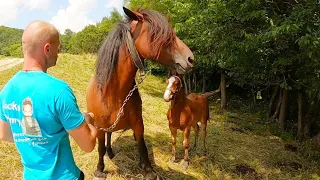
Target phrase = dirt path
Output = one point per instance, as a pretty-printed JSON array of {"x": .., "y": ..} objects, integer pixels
[{"x": 9, "y": 63}]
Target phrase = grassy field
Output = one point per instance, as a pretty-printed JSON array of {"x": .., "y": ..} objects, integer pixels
[{"x": 239, "y": 145}]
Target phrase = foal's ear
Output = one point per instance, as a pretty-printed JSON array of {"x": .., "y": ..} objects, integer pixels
[{"x": 133, "y": 15}]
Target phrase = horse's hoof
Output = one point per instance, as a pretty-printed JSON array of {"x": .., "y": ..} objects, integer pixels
[
  {"x": 173, "y": 159},
  {"x": 98, "y": 175},
  {"x": 110, "y": 154},
  {"x": 151, "y": 176},
  {"x": 185, "y": 164}
]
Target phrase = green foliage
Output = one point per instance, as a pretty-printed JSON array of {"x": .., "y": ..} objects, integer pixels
[
  {"x": 15, "y": 50},
  {"x": 10, "y": 41}
]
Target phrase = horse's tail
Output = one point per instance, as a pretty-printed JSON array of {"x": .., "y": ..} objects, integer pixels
[
  {"x": 206, "y": 105},
  {"x": 211, "y": 93}
]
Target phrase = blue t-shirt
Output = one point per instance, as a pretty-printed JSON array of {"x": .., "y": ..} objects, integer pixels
[{"x": 39, "y": 109}]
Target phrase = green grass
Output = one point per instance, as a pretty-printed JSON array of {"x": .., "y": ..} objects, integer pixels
[{"x": 231, "y": 140}]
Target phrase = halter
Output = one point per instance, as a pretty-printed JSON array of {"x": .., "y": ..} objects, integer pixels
[
  {"x": 178, "y": 89},
  {"x": 132, "y": 48}
]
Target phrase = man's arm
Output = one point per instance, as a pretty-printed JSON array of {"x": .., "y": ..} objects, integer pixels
[
  {"x": 5, "y": 132},
  {"x": 5, "y": 129},
  {"x": 78, "y": 125},
  {"x": 85, "y": 135}
]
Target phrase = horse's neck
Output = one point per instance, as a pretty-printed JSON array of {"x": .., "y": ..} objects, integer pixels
[
  {"x": 123, "y": 79},
  {"x": 178, "y": 103}
]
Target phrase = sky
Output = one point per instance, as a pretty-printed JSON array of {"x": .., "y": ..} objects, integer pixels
[{"x": 64, "y": 14}]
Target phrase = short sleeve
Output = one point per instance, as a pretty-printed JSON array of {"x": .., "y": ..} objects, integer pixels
[
  {"x": 2, "y": 117},
  {"x": 67, "y": 110}
]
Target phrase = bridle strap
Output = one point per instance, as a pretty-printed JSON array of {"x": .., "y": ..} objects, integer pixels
[{"x": 132, "y": 48}]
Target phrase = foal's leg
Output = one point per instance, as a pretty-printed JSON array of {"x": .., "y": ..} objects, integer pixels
[
  {"x": 196, "y": 134},
  {"x": 174, "y": 142},
  {"x": 186, "y": 144},
  {"x": 109, "y": 149},
  {"x": 102, "y": 150},
  {"x": 204, "y": 133},
  {"x": 145, "y": 164}
]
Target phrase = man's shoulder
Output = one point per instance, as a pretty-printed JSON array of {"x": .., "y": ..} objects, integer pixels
[{"x": 56, "y": 81}]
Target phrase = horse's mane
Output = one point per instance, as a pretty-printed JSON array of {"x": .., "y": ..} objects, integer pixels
[{"x": 160, "y": 34}]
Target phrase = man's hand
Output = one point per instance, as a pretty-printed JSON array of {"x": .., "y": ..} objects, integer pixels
[
  {"x": 88, "y": 117},
  {"x": 85, "y": 135}
]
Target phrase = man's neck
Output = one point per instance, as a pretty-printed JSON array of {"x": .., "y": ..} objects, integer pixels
[{"x": 32, "y": 64}]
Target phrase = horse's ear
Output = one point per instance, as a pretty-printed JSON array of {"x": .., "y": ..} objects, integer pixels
[{"x": 133, "y": 15}]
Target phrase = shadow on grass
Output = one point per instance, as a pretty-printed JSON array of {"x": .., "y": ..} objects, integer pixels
[{"x": 127, "y": 158}]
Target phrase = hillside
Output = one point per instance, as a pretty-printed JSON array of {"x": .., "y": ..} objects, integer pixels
[{"x": 10, "y": 41}]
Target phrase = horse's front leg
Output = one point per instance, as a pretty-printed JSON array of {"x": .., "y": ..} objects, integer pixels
[
  {"x": 102, "y": 150},
  {"x": 186, "y": 144},
  {"x": 109, "y": 149},
  {"x": 145, "y": 164},
  {"x": 174, "y": 142}
]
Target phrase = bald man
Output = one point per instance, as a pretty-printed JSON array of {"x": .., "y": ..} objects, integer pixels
[{"x": 39, "y": 111}]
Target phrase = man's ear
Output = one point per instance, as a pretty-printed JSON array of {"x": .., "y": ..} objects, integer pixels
[{"x": 46, "y": 48}]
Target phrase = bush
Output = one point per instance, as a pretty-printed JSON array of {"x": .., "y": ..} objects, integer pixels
[{"x": 15, "y": 50}]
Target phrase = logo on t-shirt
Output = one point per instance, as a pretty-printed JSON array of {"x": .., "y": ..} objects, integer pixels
[{"x": 30, "y": 125}]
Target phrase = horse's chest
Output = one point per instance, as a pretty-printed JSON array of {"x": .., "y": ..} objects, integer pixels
[{"x": 179, "y": 120}]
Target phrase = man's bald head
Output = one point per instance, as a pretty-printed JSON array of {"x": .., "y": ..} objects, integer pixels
[{"x": 36, "y": 35}]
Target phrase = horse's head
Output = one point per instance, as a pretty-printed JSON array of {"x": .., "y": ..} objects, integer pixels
[
  {"x": 156, "y": 40},
  {"x": 174, "y": 84}
]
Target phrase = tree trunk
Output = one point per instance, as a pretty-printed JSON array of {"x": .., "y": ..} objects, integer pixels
[
  {"x": 283, "y": 109},
  {"x": 300, "y": 121},
  {"x": 312, "y": 115},
  {"x": 307, "y": 125},
  {"x": 273, "y": 98},
  {"x": 185, "y": 85},
  {"x": 277, "y": 111},
  {"x": 204, "y": 85},
  {"x": 223, "y": 91},
  {"x": 254, "y": 97}
]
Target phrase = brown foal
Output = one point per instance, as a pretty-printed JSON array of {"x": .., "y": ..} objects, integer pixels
[{"x": 185, "y": 112}]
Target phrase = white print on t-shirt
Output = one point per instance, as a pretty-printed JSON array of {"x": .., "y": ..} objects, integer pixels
[
  {"x": 12, "y": 106},
  {"x": 31, "y": 132},
  {"x": 29, "y": 124}
]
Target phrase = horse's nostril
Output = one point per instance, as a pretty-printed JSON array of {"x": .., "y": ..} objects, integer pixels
[{"x": 190, "y": 60}]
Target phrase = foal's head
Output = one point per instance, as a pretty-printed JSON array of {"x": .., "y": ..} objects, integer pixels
[{"x": 174, "y": 84}]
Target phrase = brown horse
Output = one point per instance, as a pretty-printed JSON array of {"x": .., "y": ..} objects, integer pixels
[
  {"x": 185, "y": 112},
  {"x": 112, "y": 93}
]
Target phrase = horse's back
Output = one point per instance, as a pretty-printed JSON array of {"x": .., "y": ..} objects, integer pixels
[
  {"x": 198, "y": 99},
  {"x": 200, "y": 105}
]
